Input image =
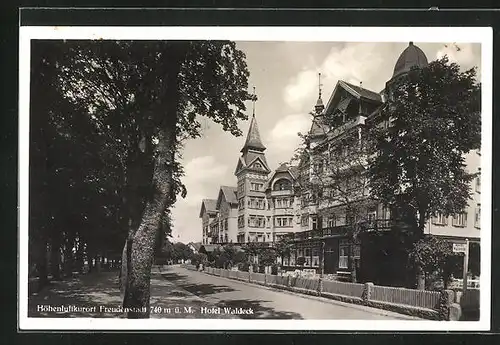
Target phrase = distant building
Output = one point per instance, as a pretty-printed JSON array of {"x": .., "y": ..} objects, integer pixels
[
  {"x": 194, "y": 246},
  {"x": 263, "y": 206},
  {"x": 208, "y": 213}
]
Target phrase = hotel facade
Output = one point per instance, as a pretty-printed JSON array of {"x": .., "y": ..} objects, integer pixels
[{"x": 295, "y": 202}]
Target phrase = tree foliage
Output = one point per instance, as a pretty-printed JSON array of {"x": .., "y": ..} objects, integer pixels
[
  {"x": 433, "y": 119},
  {"x": 435, "y": 255},
  {"x": 429, "y": 124},
  {"x": 110, "y": 118}
]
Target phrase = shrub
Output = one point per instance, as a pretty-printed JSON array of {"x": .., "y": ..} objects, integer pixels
[{"x": 243, "y": 266}]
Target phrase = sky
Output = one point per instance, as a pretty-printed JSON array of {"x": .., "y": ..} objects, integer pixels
[{"x": 285, "y": 77}]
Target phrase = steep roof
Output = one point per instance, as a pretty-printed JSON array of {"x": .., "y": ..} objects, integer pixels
[
  {"x": 209, "y": 205},
  {"x": 361, "y": 92},
  {"x": 284, "y": 167},
  {"x": 318, "y": 128},
  {"x": 411, "y": 57},
  {"x": 253, "y": 138},
  {"x": 294, "y": 170},
  {"x": 195, "y": 245},
  {"x": 230, "y": 194},
  {"x": 207, "y": 248}
]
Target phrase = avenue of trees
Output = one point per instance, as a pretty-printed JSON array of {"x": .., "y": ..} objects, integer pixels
[
  {"x": 107, "y": 123},
  {"x": 411, "y": 160}
]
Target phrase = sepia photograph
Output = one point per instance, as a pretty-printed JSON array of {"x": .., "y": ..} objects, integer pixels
[{"x": 276, "y": 178}]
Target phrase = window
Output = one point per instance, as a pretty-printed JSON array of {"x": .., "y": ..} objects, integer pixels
[
  {"x": 315, "y": 257},
  {"x": 308, "y": 261},
  {"x": 440, "y": 219},
  {"x": 331, "y": 192},
  {"x": 257, "y": 221},
  {"x": 282, "y": 184},
  {"x": 460, "y": 219},
  {"x": 305, "y": 220},
  {"x": 256, "y": 203},
  {"x": 268, "y": 222},
  {"x": 241, "y": 204},
  {"x": 257, "y": 165},
  {"x": 314, "y": 223},
  {"x": 477, "y": 216},
  {"x": 478, "y": 181},
  {"x": 332, "y": 220},
  {"x": 343, "y": 254},
  {"x": 371, "y": 216},
  {"x": 283, "y": 222},
  {"x": 282, "y": 203},
  {"x": 241, "y": 221},
  {"x": 226, "y": 225},
  {"x": 241, "y": 188},
  {"x": 254, "y": 186}
]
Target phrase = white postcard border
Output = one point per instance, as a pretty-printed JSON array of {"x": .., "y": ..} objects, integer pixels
[{"x": 482, "y": 35}]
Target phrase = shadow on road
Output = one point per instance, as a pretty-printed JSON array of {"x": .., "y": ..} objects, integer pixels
[
  {"x": 206, "y": 289},
  {"x": 260, "y": 311},
  {"x": 197, "y": 289},
  {"x": 173, "y": 276}
]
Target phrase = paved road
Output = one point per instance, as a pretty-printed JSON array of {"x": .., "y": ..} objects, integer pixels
[{"x": 264, "y": 302}]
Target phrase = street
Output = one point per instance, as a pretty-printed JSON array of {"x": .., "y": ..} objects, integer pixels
[{"x": 262, "y": 302}]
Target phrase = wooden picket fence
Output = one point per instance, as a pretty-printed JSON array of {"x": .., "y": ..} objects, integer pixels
[{"x": 411, "y": 297}]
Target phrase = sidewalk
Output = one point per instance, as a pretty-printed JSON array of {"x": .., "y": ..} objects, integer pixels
[
  {"x": 82, "y": 296},
  {"x": 97, "y": 295}
]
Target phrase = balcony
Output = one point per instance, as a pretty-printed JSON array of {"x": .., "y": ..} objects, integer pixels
[
  {"x": 341, "y": 230},
  {"x": 284, "y": 192},
  {"x": 358, "y": 120}
]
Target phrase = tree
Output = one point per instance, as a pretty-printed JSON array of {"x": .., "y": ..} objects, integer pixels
[
  {"x": 142, "y": 99},
  {"x": 283, "y": 248},
  {"x": 252, "y": 250},
  {"x": 267, "y": 257},
  {"x": 418, "y": 169},
  {"x": 435, "y": 256},
  {"x": 230, "y": 256}
]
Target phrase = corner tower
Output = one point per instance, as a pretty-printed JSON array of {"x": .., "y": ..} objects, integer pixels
[
  {"x": 252, "y": 171},
  {"x": 411, "y": 58}
]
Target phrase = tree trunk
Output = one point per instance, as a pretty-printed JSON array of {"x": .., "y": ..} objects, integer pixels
[
  {"x": 55, "y": 259},
  {"x": 419, "y": 235},
  {"x": 97, "y": 261},
  {"x": 143, "y": 245},
  {"x": 80, "y": 257},
  {"x": 352, "y": 263},
  {"x": 41, "y": 267},
  {"x": 68, "y": 257},
  {"x": 420, "y": 278},
  {"x": 141, "y": 254}
]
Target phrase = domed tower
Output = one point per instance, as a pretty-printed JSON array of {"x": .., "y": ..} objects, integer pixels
[{"x": 412, "y": 57}]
